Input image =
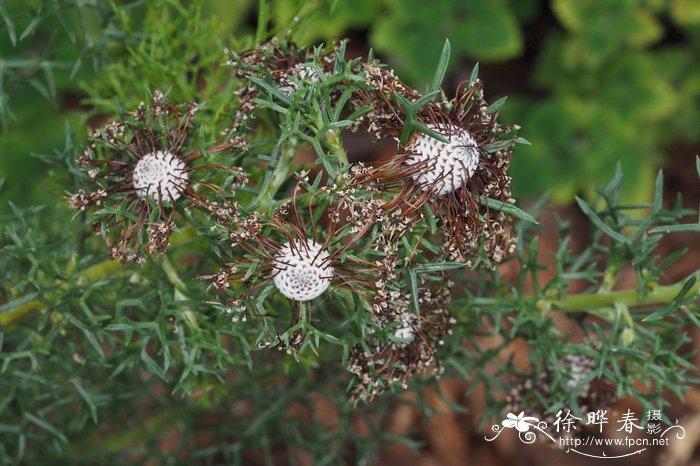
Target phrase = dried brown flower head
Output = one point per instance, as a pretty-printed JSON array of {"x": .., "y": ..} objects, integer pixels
[
  {"x": 301, "y": 261},
  {"x": 139, "y": 168},
  {"x": 283, "y": 64},
  {"x": 288, "y": 252},
  {"x": 404, "y": 344},
  {"x": 453, "y": 176}
]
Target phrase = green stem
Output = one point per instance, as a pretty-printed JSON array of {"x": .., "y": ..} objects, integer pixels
[
  {"x": 92, "y": 273},
  {"x": 181, "y": 292},
  {"x": 172, "y": 275},
  {"x": 304, "y": 11},
  {"x": 593, "y": 301},
  {"x": 336, "y": 145},
  {"x": 264, "y": 201},
  {"x": 600, "y": 304}
]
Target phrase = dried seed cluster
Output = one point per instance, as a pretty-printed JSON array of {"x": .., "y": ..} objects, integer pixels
[{"x": 301, "y": 262}]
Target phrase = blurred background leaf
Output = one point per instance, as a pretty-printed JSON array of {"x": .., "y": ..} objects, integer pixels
[{"x": 410, "y": 32}]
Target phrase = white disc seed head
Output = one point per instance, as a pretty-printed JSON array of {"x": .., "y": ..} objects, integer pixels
[
  {"x": 160, "y": 175},
  {"x": 443, "y": 167},
  {"x": 302, "y": 270}
]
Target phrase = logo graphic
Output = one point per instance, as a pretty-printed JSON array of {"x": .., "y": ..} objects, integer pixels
[{"x": 564, "y": 429}]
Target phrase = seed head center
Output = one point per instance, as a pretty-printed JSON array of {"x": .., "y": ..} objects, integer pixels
[
  {"x": 302, "y": 270},
  {"x": 439, "y": 167},
  {"x": 160, "y": 175}
]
